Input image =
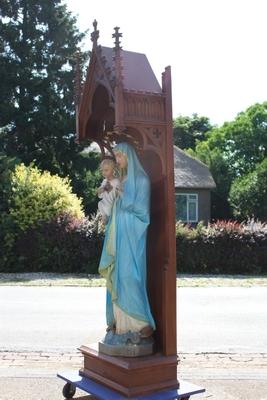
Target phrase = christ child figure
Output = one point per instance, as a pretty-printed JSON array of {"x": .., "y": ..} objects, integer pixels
[{"x": 109, "y": 189}]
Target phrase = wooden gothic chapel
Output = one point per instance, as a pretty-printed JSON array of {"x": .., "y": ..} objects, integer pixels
[{"x": 121, "y": 100}]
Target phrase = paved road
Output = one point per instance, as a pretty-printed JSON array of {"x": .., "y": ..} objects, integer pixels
[
  {"x": 222, "y": 320},
  {"x": 62, "y": 318}
]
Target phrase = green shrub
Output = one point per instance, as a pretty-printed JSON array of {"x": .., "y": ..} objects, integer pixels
[
  {"x": 39, "y": 196},
  {"x": 29, "y": 198},
  {"x": 64, "y": 244},
  {"x": 224, "y": 247},
  {"x": 183, "y": 231}
]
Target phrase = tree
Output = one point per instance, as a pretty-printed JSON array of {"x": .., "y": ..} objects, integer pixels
[
  {"x": 86, "y": 178},
  {"x": 248, "y": 194},
  {"x": 242, "y": 142},
  {"x": 38, "y": 42},
  {"x": 234, "y": 150},
  {"x": 222, "y": 176},
  {"x": 188, "y": 130}
]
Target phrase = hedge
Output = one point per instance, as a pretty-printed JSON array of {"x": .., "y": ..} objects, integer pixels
[
  {"x": 65, "y": 245},
  {"x": 68, "y": 244},
  {"x": 224, "y": 247}
]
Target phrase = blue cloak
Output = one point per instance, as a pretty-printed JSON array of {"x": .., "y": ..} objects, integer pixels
[{"x": 123, "y": 259}]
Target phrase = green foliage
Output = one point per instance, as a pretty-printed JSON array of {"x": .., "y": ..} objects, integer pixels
[
  {"x": 31, "y": 199},
  {"x": 248, "y": 194},
  {"x": 7, "y": 225},
  {"x": 242, "y": 142},
  {"x": 188, "y": 130},
  {"x": 225, "y": 247},
  {"x": 63, "y": 244},
  {"x": 7, "y": 165},
  {"x": 38, "y": 46},
  {"x": 184, "y": 231},
  {"x": 86, "y": 179},
  {"x": 37, "y": 54},
  {"x": 232, "y": 151},
  {"x": 40, "y": 196},
  {"x": 69, "y": 244}
]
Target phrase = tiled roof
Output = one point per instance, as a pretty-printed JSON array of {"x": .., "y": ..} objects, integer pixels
[{"x": 137, "y": 72}]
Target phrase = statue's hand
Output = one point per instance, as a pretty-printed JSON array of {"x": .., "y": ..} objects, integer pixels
[{"x": 108, "y": 187}]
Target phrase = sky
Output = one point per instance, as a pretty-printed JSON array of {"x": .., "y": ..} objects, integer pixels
[{"x": 216, "y": 48}]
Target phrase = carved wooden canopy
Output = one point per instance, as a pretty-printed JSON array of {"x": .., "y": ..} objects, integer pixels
[{"x": 121, "y": 100}]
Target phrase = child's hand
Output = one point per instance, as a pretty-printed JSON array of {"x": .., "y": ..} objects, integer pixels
[{"x": 108, "y": 187}]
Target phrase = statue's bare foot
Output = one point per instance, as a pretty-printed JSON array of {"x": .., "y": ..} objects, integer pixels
[{"x": 146, "y": 332}]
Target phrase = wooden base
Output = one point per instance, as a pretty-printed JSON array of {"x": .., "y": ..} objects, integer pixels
[{"x": 128, "y": 376}]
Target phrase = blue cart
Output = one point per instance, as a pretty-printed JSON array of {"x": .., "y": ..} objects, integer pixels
[{"x": 74, "y": 380}]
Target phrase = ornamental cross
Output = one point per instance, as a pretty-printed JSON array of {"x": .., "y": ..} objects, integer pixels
[{"x": 117, "y": 35}]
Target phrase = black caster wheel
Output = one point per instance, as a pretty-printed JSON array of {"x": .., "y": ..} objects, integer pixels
[{"x": 69, "y": 391}]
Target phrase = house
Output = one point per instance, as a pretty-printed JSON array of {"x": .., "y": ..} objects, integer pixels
[{"x": 193, "y": 186}]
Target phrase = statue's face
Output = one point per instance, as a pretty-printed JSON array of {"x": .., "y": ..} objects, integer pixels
[
  {"x": 107, "y": 171},
  {"x": 121, "y": 159}
]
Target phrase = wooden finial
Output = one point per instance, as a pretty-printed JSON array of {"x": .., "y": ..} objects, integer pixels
[
  {"x": 118, "y": 56},
  {"x": 117, "y": 35},
  {"x": 95, "y": 34}
]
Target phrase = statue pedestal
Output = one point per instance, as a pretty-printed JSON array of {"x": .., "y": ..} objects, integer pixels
[{"x": 130, "y": 376}]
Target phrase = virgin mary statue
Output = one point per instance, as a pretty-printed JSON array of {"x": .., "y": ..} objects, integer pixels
[{"x": 123, "y": 261}]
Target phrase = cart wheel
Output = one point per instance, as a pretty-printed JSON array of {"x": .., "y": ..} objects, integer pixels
[{"x": 69, "y": 391}]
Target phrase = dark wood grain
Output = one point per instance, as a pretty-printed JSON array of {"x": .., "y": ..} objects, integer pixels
[{"x": 128, "y": 376}]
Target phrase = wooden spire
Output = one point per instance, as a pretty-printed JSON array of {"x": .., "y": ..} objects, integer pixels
[
  {"x": 95, "y": 34},
  {"x": 119, "y": 112},
  {"x": 118, "y": 56}
]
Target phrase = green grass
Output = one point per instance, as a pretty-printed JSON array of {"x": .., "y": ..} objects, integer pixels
[{"x": 52, "y": 279}]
